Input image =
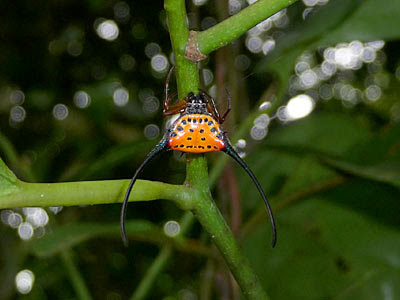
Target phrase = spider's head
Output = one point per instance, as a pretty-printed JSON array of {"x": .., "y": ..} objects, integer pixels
[{"x": 196, "y": 104}]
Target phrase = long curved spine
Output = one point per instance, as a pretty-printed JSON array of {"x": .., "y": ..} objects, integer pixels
[
  {"x": 161, "y": 146},
  {"x": 232, "y": 153}
]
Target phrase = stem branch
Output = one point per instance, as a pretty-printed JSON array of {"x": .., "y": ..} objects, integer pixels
[
  {"x": 233, "y": 27},
  {"x": 211, "y": 219},
  {"x": 92, "y": 192}
]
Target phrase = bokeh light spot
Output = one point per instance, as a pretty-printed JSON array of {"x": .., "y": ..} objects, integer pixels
[
  {"x": 159, "y": 63},
  {"x": 81, "y": 99},
  {"x": 377, "y": 45},
  {"x": 74, "y": 48},
  {"x": 24, "y": 281},
  {"x": 172, "y": 228},
  {"x": 306, "y": 12},
  {"x": 262, "y": 121},
  {"x": 199, "y": 2},
  {"x": 234, "y": 7},
  {"x": 241, "y": 143},
  {"x": 368, "y": 54},
  {"x": 55, "y": 209},
  {"x": 37, "y": 216},
  {"x": 397, "y": 73},
  {"x": 5, "y": 214},
  {"x": 254, "y": 44},
  {"x": 310, "y": 2},
  {"x": 328, "y": 68},
  {"x": 268, "y": 46},
  {"x": 17, "y": 97},
  {"x": 207, "y": 22},
  {"x": 25, "y": 230},
  {"x": 325, "y": 91},
  {"x": 151, "y": 131},
  {"x": 299, "y": 107},
  {"x": 145, "y": 93},
  {"x": 121, "y": 96},
  {"x": 151, "y": 105},
  {"x": 265, "y": 25},
  {"x": 242, "y": 63},
  {"x": 60, "y": 112},
  {"x": 107, "y": 30},
  {"x": 265, "y": 105},
  {"x": 258, "y": 133},
  {"x": 14, "y": 220},
  {"x": 208, "y": 76},
  {"x": 308, "y": 78},
  {"x": 373, "y": 92},
  {"x": 152, "y": 49},
  {"x": 121, "y": 12},
  {"x": 126, "y": 62},
  {"x": 17, "y": 114}
]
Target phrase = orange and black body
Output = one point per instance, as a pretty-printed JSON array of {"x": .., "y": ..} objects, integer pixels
[{"x": 196, "y": 130}]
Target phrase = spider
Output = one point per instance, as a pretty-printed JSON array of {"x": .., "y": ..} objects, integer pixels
[{"x": 196, "y": 130}]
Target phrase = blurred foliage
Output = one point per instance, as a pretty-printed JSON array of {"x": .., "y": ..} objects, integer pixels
[{"x": 339, "y": 240}]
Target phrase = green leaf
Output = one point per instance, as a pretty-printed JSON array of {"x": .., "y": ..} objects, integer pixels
[
  {"x": 309, "y": 173},
  {"x": 369, "y": 21},
  {"x": 8, "y": 181},
  {"x": 338, "y": 21},
  {"x": 387, "y": 172},
  {"x": 73, "y": 234},
  {"x": 330, "y": 133},
  {"x": 327, "y": 251},
  {"x": 283, "y": 151},
  {"x": 377, "y": 158}
]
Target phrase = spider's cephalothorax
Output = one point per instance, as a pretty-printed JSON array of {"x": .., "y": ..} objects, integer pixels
[
  {"x": 196, "y": 104},
  {"x": 196, "y": 130}
]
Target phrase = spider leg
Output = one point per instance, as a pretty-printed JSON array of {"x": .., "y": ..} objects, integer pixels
[
  {"x": 232, "y": 153},
  {"x": 162, "y": 146},
  {"x": 167, "y": 99},
  {"x": 228, "y": 109},
  {"x": 211, "y": 107},
  {"x": 167, "y": 102},
  {"x": 176, "y": 108}
]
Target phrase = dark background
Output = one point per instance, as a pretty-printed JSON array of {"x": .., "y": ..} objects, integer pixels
[{"x": 333, "y": 176}]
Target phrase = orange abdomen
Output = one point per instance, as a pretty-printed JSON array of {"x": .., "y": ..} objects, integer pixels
[{"x": 196, "y": 133}]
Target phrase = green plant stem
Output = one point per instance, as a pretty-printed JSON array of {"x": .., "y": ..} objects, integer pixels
[
  {"x": 161, "y": 261},
  {"x": 204, "y": 207},
  {"x": 75, "y": 277},
  {"x": 232, "y": 28},
  {"x": 152, "y": 272},
  {"x": 187, "y": 76},
  {"x": 207, "y": 280},
  {"x": 187, "y": 81},
  {"x": 92, "y": 192},
  {"x": 211, "y": 219}
]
